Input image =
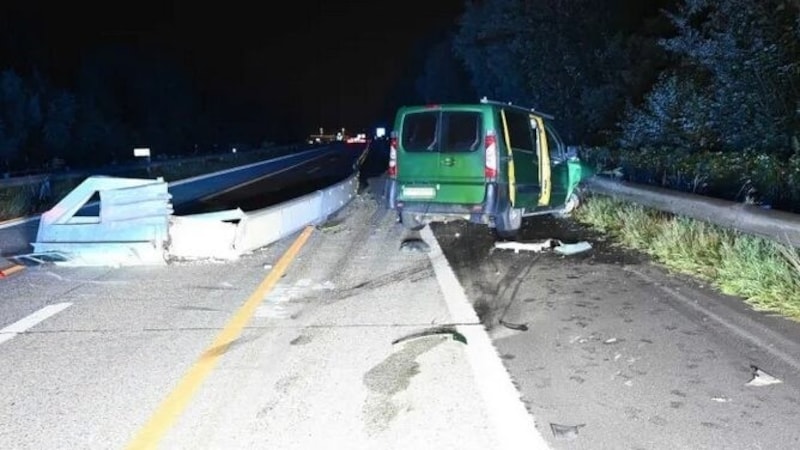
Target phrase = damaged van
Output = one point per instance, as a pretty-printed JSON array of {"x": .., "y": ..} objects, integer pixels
[{"x": 490, "y": 162}]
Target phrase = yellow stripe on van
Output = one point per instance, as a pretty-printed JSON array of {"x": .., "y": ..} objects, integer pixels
[
  {"x": 544, "y": 161},
  {"x": 512, "y": 181}
]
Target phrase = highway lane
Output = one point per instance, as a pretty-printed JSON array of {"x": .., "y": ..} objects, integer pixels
[
  {"x": 145, "y": 355},
  {"x": 606, "y": 349},
  {"x": 257, "y": 192},
  {"x": 611, "y": 352}
]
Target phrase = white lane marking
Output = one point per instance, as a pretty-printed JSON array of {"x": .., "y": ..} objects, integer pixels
[
  {"x": 514, "y": 425},
  {"x": 31, "y": 321},
  {"x": 18, "y": 221}
]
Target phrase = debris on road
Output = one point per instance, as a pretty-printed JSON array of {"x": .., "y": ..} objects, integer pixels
[
  {"x": 761, "y": 378},
  {"x": 565, "y": 432},
  {"x": 332, "y": 226},
  {"x": 514, "y": 326},
  {"x": 415, "y": 245},
  {"x": 527, "y": 246},
  {"x": 548, "y": 244},
  {"x": 9, "y": 267},
  {"x": 573, "y": 249},
  {"x": 436, "y": 331}
]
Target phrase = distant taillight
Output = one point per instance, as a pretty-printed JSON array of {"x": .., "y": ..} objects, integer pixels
[
  {"x": 490, "y": 152},
  {"x": 392, "y": 172}
]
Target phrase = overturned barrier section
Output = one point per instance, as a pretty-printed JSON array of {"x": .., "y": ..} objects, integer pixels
[
  {"x": 130, "y": 227},
  {"x": 780, "y": 226},
  {"x": 135, "y": 226}
]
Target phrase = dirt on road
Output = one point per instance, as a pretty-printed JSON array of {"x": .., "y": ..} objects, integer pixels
[{"x": 609, "y": 350}]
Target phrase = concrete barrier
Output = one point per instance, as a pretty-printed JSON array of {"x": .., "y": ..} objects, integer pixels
[
  {"x": 135, "y": 225},
  {"x": 780, "y": 226},
  {"x": 263, "y": 227}
]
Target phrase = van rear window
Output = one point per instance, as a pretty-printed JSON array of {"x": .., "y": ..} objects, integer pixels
[{"x": 446, "y": 132}]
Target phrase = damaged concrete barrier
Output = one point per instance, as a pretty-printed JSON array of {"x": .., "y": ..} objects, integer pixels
[
  {"x": 134, "y": 224},
  {"x": 230, "y": 234},
  {"x": 130, "y": 227},
  {"x": 265, "y": 226}
]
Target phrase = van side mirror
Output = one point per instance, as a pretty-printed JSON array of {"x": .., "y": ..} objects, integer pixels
[{"x": 572, "y": 152}]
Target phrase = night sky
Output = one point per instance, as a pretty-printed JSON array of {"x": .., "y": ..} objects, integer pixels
[{"x": 329, "y": 63}]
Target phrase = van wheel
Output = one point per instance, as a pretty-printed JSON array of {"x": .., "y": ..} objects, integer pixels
[
  {"x": 410, "y": 221},
  {"x": 508, "y": 223}
]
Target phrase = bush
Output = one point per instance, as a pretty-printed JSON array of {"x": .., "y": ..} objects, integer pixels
[{"x": 755, "y": 177}]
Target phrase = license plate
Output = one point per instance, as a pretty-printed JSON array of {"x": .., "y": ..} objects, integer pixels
[{"x": 419, "y": 192}]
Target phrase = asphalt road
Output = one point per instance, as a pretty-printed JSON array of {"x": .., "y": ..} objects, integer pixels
[
  {"x": 611, "y": 352},
  {"x": 607, "y": 350},
  {"x": 344, "y": 346},
  {"x": 269, "y": 189}
]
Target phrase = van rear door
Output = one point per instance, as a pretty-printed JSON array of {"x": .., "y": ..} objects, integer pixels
[{"x": 442, "y": 157}]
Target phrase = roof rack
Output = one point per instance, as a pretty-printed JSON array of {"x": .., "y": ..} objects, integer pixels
[{"x": 513, "y": 106}]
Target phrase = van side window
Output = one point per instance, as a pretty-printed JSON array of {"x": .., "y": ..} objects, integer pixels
[
  {"x": 462, "y": 132},
  {"x": 419, "y": 131},
  {"x": 519, "y": 132},
  {"x": 555, "y": 145}
]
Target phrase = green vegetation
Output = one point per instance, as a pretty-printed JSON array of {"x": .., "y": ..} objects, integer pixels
[
  {"x": 748, "y": 176},
  {"x": 763, "y": 272}
]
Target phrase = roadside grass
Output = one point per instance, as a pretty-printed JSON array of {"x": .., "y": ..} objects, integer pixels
[
  {"x": 15, "y": 201},
  {"x": 765, "y": 273}
]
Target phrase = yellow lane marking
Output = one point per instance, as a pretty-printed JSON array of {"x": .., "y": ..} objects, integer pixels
[{"x": 173, "y": 405}]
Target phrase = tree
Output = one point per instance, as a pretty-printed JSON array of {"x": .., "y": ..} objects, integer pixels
[
  {"x": 444, "y": 78},
  {"x": 490, "y": 42},
  {"x": 560, "y": 56},
  {"x": 59, "y": 122},
  {"x": 676, "y": 113},
  {"x": 737, "y": 80},
  {"x": 129, "y": 99},
  {"x": 19, "y": 116}
]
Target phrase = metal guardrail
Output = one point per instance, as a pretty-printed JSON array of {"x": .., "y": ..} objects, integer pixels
[
  {"x": 780, "y": 226},
  {"x": 37, "y": 178}
]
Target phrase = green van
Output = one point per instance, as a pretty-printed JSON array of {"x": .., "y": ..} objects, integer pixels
[{"x": 489, "y": 162}]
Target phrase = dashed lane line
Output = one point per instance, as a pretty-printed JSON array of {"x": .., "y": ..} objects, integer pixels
[{"x": 31, "y": 320}]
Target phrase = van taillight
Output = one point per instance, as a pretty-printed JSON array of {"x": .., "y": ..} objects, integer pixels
[
  {"x": 392, "y": 172},
  {"x": 490, "y": 152}
]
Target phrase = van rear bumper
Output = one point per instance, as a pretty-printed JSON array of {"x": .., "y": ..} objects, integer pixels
[{"x": 489, "y": 206}]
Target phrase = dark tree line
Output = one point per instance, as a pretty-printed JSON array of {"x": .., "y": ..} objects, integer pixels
[
  {"x": 721, "y": 75},
  {"x": 120, "y": 99}
]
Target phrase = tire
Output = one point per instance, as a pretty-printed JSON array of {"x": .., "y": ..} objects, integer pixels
[
  {"x": 410, "y": 222},
  {"x": 508, "y": 223}
]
